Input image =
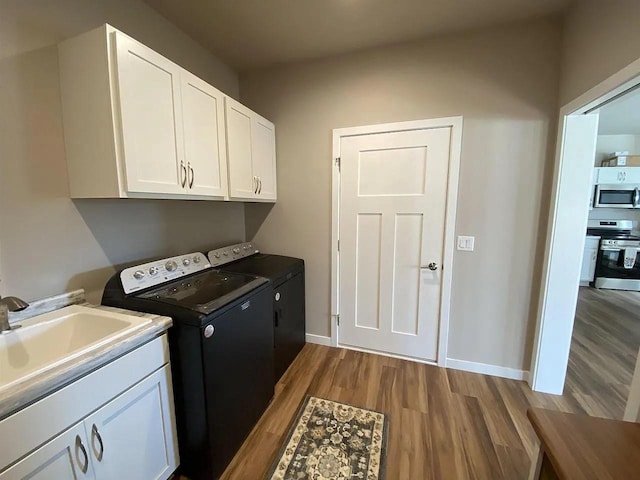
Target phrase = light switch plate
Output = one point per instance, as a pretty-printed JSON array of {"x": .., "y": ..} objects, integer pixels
[{"x": 466, "y": 244}]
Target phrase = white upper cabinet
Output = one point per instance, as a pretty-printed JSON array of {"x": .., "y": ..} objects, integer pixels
[
  {"x": 251, "y": 154},
  {"x": 151, "y": 117},
  {"x": 613, "y": 175},
  {"x": 263, "y": 144},
  {"x": 204, "y": 136},
  {"x": 138, "y": 125}
]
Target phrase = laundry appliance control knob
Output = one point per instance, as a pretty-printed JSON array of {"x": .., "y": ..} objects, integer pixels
[{"x": 171, "y": 266}]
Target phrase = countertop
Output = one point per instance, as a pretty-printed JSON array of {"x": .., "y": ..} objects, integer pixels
[
  {"x": 583, "y": 447},
  {"x": 34, "y": 388}
]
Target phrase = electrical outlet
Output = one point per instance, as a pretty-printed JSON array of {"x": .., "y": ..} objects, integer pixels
[{"x": 466, "y": 244}]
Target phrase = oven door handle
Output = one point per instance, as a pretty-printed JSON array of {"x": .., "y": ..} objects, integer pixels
[{"x": 636, "y": 197}]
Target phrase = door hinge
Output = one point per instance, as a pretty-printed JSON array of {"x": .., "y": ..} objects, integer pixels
[
  {"x": 338, "y": 320},
  {"x": 338, "y": 163},
  {"x": 338, "y": 244}
]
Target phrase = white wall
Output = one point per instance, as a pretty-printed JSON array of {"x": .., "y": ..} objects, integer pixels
[
  {"x": 49, "y": 243},
  {"x": 608, "y": 144},
  {"x": 504, "y": 81}
]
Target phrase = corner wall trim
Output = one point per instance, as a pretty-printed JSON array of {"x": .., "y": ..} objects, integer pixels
[
  {"x": 485, "y": 368},
  {"x": 319, "y": 339}
]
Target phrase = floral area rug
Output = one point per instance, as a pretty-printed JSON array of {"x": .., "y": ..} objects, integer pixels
[{"x": 333, "y": 441}]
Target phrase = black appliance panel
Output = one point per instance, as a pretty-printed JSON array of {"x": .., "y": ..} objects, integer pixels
[
  {"x": 205, "y": 292},
  {"x": 610, "y": 264},
  {"x": 287, "y": 277},
  {"x": 289, "y": 321},
  {"x": 276, "y": 268},
  {"x": 238, "y": 369}
]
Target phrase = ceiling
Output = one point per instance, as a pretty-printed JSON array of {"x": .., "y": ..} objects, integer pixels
[
  {"x": 250, "y": 34},
  {"x": 622, "y": 116}
]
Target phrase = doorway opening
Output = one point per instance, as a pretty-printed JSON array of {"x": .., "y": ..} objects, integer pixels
[{"x": 588, "y": 332}]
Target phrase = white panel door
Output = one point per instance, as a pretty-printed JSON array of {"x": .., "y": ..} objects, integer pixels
[
  {"x": 393, "y": 189},
  {"x": 243, "y": 182},
  {"x": 149, "y": 89},
  {"x": 263, "y": 147},
  {"x": 204, "y": 137},
  {"x": 134, "y": 436},
  {"x": 66, "y": 457}
]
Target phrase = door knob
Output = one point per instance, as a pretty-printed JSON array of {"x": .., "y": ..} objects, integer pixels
[{"x": 432, "y": 266}]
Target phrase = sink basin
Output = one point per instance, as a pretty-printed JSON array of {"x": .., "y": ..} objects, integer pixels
[{"x": 49, "y": 340}]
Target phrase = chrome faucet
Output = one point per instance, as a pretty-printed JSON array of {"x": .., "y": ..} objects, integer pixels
[{"x": 10, "y": 304}]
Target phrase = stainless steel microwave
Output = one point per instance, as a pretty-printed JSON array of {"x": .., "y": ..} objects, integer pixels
[{"x": 617, "y": 196}]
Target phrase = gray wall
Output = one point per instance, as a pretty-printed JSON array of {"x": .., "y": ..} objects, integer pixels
[
  {"x": 504, "y": 81},
  {"x": 600, "y": 38},
  {"x": 48, "y": 243}
]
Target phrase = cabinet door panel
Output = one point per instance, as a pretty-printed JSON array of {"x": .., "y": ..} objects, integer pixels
[
  {"x": 242, "y": 182},
  {"x": 151, "y": 118},
  {"x": 61, "y": 459},
  {"x": 205, "y": 150},
  {"x": 133, "y": 436},
  {"x": 614, "y": 175},
  {"x": 263, "y": 143}
]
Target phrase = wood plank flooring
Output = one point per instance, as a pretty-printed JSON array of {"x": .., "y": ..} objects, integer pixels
[
  {"x": 444, "y": 424},
  {"x": 453, "y": 425},
  {"x": 604, "y": 348}
]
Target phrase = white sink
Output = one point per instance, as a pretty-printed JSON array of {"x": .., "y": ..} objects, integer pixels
[{"x": 49, "y": 340}]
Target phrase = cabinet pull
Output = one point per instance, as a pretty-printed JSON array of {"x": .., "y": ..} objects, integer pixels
[
  {"x": 255, "y": 185},
  {"x": 84, "y": 466},
  {"x": 183, "y": 174},
  {"x": 192, "y": 175},
  {"x": 260, "y": 186},
  {"x": 95, "y": 434}
]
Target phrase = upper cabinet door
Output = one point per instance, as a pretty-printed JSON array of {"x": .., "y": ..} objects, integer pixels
[
  {"x": 263, "y": 146},
  {"x": 612, "y": 175},
  {"x": 149, "y": 92},
  {"x": 243, "y": 183},
  {"x": 204, "y": 137}
]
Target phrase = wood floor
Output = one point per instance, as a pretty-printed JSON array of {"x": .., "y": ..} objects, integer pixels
[
  {"x": 447, "y": 424},
  {"x": 604, "y": 348}
]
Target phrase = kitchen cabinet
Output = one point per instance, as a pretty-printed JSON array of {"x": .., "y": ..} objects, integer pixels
[
  {"x": 614, "y": 175},
  {"x": 251, "y": 154},
  {"x": 131, "y": 434},
  {"x": 136, "y": 124},
  {"x": 589, "y": 258}
]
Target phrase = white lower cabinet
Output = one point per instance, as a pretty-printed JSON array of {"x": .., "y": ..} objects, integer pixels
[
  {"x": 63, "y": 457},
  {"x": 130, "y": 437},
  {"x": 130, "y": 434},
  {"x": 589, "y": 259}
]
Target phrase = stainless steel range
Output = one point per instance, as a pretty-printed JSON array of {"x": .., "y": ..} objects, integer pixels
[{"x": 617, "y": 265}]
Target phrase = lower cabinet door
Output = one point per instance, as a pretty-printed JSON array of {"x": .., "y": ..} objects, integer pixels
[
  {"x": 64, "y": 457},
  {"x": 134, "y": 435}
]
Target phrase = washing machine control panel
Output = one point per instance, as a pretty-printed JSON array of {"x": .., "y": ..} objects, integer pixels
[{"x": 221, "y": 256}]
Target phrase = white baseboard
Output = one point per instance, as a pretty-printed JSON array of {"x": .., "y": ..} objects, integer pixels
[
  {"x": 319, "y": 339},
  {"x": 485, "y": 368}
]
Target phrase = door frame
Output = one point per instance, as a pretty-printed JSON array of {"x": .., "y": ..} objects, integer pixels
[
  {"x": 455, "y": 123},
  {"x": 552, "y": 339}
]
